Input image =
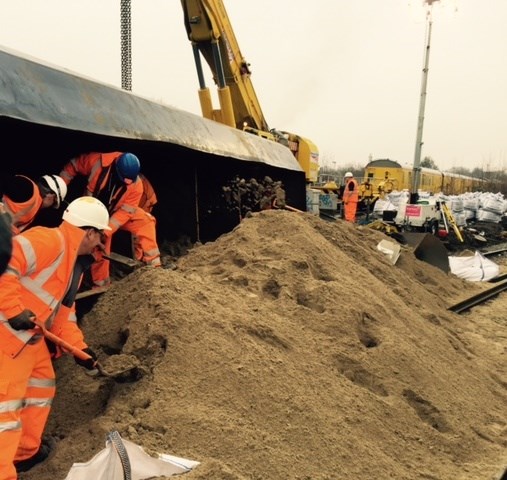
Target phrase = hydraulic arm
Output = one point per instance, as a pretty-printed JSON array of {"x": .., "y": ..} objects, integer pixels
[{"x": 211, "y": 35}]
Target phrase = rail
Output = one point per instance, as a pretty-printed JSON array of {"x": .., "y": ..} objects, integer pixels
[{"x": 478, "y": 299}]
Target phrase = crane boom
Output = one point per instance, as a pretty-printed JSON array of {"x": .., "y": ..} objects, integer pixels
[{"x": 211, "y": 35}]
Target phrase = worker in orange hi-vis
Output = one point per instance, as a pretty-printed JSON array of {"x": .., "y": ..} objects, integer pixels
[
  {"x": 142, "y": 226},
  {"x": 114, "y": 179},
  {"x": 23, "y": 198},
  {"x": 350, "y": 197},
  {"x": 38, "y": 276}
]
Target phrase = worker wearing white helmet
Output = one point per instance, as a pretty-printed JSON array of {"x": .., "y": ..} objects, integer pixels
[
  {"x": 32, "y": 290},
  {"x": 23, "y": 198},
  {"x": 350, "y": 197},
  {"x": 53, "y": 190}
]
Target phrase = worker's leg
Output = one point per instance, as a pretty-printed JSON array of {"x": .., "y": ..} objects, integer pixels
[
  {"x": 142, "y": 226},
  {"x": 37, "y": 403},
  {"x": 350, "y": 211},
  {"x": 100, "y": 268},
  {"x": 14, "y": 376}
]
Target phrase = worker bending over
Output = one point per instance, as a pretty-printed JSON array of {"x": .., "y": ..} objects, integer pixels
[
  {"x": 114, "y": 179},
  {"x": 23, "y": 198},
  {"x": 350, "y": 197},
  {"x": 32, "y": 288}
]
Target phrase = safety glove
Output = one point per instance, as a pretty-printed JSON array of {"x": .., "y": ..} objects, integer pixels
[
  {"x": 22, "y": 321},
  {"x": 89, "y": 364}
]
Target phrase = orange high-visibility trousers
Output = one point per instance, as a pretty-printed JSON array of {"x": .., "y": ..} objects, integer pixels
[
  {"x": 142, "y": 226},
  {"x": 350, "y": 211},
  {"x": 27, "y": 389}
]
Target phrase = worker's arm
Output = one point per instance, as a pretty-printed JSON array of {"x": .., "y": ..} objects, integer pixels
[
  {"x": 80, "y": 165},
  {"x": 31, "y": 251},
  {"x": 65, "y": 326},
  {"x": 126, "y": 206}
]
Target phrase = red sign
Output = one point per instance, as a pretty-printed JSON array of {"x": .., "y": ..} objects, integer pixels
[{"x": 413, "y": 211}]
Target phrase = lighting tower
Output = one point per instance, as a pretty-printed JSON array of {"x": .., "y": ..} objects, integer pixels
[{"x": 416, "y": 172}]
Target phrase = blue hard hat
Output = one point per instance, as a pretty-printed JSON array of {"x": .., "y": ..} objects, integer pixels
[{"x": 128, "y": 166}]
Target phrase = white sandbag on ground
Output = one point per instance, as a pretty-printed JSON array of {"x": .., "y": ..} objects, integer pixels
[
  {"x": 108, "y": 465},
  {"x": 476, "y": 268}
]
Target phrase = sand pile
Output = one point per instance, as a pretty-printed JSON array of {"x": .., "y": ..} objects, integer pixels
[{"x": 291, "y": 348}]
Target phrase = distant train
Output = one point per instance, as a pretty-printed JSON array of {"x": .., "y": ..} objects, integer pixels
[{"x": 383, "y": 176}]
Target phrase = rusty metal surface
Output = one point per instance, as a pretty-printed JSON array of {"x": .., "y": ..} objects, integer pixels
[{"x": 37, "y": 92}]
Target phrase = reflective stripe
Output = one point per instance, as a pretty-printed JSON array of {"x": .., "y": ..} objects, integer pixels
[
  {"x": 10, "y": 426},
  {"x": 10, "y": 406},
  {"x": 38, "y": 402},
  {"x": 11, "y": 271},
  {"x": 72, "y": 317},
  {"x": 36, "y": 286},
  {"x": 151, "y": 253},
  {"x": 128, "y": 208},
  {"x": 28, "y": 252},
  {"x": 96, "y": 166},
  {"x": 155, "y": 262},
  {"x": 115, "y": 222},
  {"x": 23, "y": 335},
  {"x": 41, "y": 382}
]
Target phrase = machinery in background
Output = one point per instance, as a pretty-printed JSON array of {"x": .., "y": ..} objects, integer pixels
[{"x": 211, "y": 35}]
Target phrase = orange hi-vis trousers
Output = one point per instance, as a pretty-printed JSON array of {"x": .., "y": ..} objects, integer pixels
[
  {"x": 350, "y": 211},
  {"x": 142, "y": 227},
  {"x": 27, "y": 389}
]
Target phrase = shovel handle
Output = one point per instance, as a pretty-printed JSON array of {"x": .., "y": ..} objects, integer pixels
[{"x": 62, "y": 343}]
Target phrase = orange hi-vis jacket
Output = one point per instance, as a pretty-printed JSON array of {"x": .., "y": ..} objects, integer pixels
[
  {"x": 351, "y": 191},
  {"x": 37, "y": 278},
  {"x": 96, "y": 167},
  {"x": 23, "y": 213},
  {"x": 149, "y": 197}
]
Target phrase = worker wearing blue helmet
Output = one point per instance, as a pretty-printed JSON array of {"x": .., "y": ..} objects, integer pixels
[{"x": 113, "y": 178}]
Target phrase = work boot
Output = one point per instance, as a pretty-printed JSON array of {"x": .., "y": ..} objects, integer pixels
[{"x": 46, "y": 450}]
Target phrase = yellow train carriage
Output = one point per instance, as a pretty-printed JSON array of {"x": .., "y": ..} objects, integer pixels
[{"x": 383, "y": 176}]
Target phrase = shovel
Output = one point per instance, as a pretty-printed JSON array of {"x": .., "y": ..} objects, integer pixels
[{"x": 131, "y": 371}]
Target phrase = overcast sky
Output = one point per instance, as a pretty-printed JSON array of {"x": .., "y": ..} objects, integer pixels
[{"x": 344, "y": 73}]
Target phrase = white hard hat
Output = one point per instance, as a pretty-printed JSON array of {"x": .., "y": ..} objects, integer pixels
[
  {"x": 348, "y": 174},
  {"x": 87, "y": 212},
  {"x": 57, "y": 186}
]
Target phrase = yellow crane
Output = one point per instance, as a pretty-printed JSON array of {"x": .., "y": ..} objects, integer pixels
[{"x": 211, "y": 35}]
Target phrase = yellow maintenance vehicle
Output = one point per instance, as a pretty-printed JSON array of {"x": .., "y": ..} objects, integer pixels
[{"x": 211, "y": 35}]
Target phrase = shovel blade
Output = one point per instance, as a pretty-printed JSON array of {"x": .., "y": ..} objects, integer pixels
[{"x": 429, "y": 249}]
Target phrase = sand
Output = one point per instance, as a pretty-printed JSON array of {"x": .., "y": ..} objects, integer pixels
[{"x": 291, "y": 348}]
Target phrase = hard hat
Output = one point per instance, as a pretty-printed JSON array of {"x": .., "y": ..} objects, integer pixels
[
  {"x": 128, "y": 166},
  {"x": 348, "y": 174},
  {"x": 57, "y": 186},
  {"x": 87, "y": 212}
]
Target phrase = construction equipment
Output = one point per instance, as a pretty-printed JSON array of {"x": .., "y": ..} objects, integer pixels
[
  {"x": 429, "y": 249},
  {"x": 449, "y": 219},
  {"x": 426, "y": 246},
  {"x": 211, "y": 34}
]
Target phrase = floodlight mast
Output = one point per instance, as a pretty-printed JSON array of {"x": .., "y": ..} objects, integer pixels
[{"x": 416, "y": 171}]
